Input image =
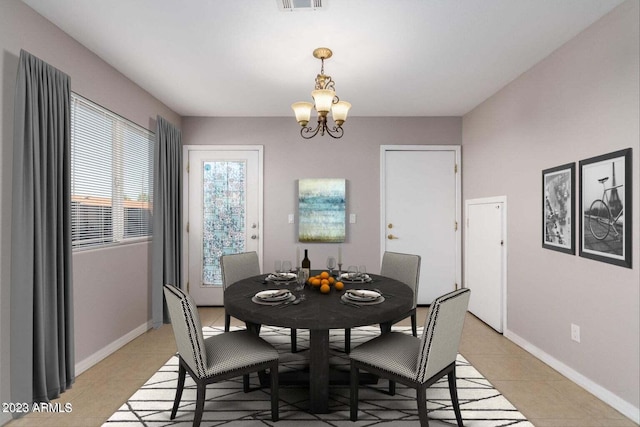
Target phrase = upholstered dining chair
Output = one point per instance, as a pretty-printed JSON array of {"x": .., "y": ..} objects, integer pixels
[
  {"x": 417, "y": 362},
  {"x": 217, "y": 358},
  {"x": 404, "y": 268},
  {"x": 236, "y": 267}
]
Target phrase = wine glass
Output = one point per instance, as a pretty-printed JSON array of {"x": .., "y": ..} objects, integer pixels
[
  {"x": 301, "y": 280},
  {"x": 331, "y": 264},
  {"x": 286, "y": 266},
  {"x": 277, "y": 266},
  {"x": 362, "y": 271},
  {"x": 352, "y": 272}
]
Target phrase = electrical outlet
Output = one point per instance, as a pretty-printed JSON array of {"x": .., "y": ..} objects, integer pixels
[
  {"x": 352, "y": 218},
  {"x": 575, "y": 332},
  {"x": 290, "y": 218}
]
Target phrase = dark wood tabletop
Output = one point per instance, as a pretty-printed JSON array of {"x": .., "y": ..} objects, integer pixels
[
  {"x": 319, "y": 313},
  {"x": 318, "y": 310}
]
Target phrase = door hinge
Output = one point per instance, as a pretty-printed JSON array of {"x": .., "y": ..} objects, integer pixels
[
  {"x": 455, "y": 168},
  {"x": 455, "y": 227},
  {"x": 187, "y": 226},
  {"x": 187, "y": 167}
]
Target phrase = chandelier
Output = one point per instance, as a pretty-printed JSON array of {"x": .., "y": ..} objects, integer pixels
[{"x": 326, "y": 101}]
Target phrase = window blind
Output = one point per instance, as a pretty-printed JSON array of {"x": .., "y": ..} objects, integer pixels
[{"x": 111, "y": 176}]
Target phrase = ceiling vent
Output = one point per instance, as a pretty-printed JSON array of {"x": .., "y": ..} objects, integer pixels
[{"x": 300, "y": 5}]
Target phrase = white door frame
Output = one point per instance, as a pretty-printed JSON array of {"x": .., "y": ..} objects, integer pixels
[
  {"x": 383, "y": 230},
  {"x": 505, "y": 251},
  {"x": 185, "y": 197}
]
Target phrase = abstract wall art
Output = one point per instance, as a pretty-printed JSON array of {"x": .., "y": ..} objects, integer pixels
[{"x": 321, "y": 210}]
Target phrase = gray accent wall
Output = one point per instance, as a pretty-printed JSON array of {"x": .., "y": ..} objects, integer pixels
[
  {"x": 111, "y": 286},
  {"x": 580, "y": 102}
]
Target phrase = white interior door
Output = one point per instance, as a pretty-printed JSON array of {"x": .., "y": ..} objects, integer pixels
[
  {"x": 224, "y": 193},
  {"x": 485, "y": 259},
  {"x": 420, "y": 193}
]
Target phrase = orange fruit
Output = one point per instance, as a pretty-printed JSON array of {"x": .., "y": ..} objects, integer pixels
[
  {"x": 315, "y": 282},
  {"x": 324, "y": 275},
  {"x": 339, "y": 286},
  {"x": 325, "y": 289},
  {"x": 332, "y": 280},
  {"x": 324, "y": 282}
]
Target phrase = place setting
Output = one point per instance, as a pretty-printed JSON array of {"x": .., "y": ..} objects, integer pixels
[
  {"x": 359, "y": 297},
  {"x": 282, "y": 273},
  {"x": 355, "y": 275},
  {"x": 273, "y": 297}
]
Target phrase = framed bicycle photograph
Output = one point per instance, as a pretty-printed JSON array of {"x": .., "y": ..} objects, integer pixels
[
  {"x": 558, "y": 208},
  {"x": 605, "y": 208}
]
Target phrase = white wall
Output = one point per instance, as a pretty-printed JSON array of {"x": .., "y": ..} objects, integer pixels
[
  {"x": 580, "y": 102},
  {"x": 355, "y": 157},
  {"x": 117, "y": 302}
]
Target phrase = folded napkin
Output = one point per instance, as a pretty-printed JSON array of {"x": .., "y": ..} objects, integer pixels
[
  {"x": 281, "y": 277},
  {"x": 273, "y": 295},
  {"x": 362, "y": 294},
  {"x": 359, "y": 277}
]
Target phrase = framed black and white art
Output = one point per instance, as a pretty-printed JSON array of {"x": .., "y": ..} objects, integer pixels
[
  {"x": 558, "y": 208},
  {"x": 605, "y": 208}
]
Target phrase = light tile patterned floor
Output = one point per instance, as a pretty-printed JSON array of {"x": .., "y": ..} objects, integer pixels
[
  {"x": 481, "y": 404},
  {"x": 546, "y": 399}
]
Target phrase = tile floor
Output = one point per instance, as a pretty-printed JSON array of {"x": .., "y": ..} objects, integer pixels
[{"x": 544, "y": 396}]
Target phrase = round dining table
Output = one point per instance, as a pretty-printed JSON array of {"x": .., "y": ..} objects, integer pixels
[{"x": 319, "y": 313}]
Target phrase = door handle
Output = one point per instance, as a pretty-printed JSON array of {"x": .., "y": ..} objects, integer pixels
[
  {"x": 391, "y": 237},
  {"x": 254, "y": 237}
]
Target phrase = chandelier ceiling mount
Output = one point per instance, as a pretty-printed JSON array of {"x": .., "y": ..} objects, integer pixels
[{"x": 325, "y": 101}]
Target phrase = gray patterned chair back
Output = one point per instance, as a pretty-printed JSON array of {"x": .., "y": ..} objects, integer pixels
[
  {"x": 404, "y": 268},
  {"x": 187, "y": 328},
  {"x": 442, "y": 332},
  {"x": 236, "y": 267}
]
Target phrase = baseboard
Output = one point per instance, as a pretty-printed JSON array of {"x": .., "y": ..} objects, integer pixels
[
  {"x": 111, "y": 348},
  {"x": 627, "y": 409}
]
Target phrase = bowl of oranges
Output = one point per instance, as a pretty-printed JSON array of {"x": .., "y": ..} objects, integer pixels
[{"x": 324, "y": 282}]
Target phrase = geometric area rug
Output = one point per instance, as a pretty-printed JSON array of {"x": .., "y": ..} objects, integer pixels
[{"x": 227, "y": 405}]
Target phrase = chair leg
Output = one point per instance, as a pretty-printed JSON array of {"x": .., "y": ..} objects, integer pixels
[
  {"x": 245, "y": 383},
  {"x": 202, "y": 389},
  {"x": 347, "y": 341},
  {"x": 421, "y": 393},
  {"x": 453, "y": 390},
  {"x": 275, "y": 400},
  {"x": 182, "y": 373},
  {"x": 392, "y": 388},
  {"x": 227, "y": 322},
  {"x": 294, "y": 340},
  {"x": 414, "y": 325},
  {"x": 355, "y": 380}
]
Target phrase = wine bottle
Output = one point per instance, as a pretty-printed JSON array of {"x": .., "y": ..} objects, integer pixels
[{"x": 306, "y": 263}]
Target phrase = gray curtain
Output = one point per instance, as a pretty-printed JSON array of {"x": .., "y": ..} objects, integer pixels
[
  {"x": 166, "y": 264},
  {"x": 42, "y": 342}
]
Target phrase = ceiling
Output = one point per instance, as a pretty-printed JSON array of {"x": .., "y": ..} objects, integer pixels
[{"x": 390, "y": 57}]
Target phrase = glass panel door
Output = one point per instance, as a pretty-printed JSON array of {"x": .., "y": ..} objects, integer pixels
[{"x": 224, "y": 209}]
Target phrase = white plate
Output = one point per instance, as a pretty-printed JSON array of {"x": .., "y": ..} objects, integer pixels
[
  {"x": 370, "y": 302},
  {"x": 291, "y": 297},
  {"x": 281, "y": 277},
  {"x": 344, "y": 277},
  {"x": 362, "y": 295},
  {"x": 273, "y": 295}
]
